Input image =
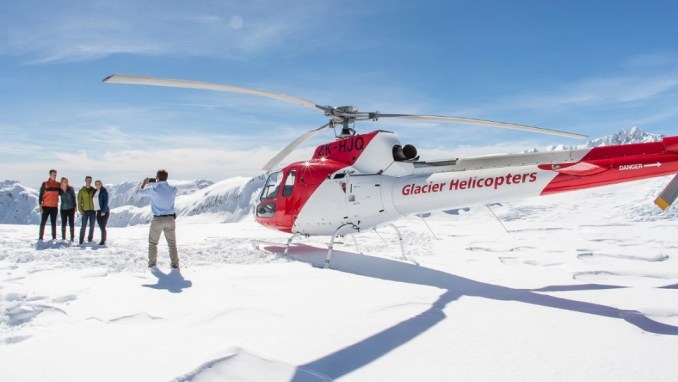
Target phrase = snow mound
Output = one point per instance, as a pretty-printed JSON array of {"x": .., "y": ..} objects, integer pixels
[{"x": 240, "y": 365}]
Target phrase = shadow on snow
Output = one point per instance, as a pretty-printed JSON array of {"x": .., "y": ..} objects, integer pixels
[
  {"x": 364, "y": 352},
  {"x": 173, "y": 281}
]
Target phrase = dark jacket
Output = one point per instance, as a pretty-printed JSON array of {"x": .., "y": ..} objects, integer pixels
[
  {"x": 67, "y": 198},
  {"x": 103, "y": 199}
]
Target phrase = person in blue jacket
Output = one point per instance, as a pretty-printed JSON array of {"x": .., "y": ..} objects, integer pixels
[{"x": 101, "y": 207}]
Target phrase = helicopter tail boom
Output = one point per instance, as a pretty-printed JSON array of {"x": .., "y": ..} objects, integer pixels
[
  {"x": 502, "y": 178},
  {"x": 615, "y": 164}
]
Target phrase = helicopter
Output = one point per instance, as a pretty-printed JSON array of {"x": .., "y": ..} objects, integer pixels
[{"x": 360, "y": 181}]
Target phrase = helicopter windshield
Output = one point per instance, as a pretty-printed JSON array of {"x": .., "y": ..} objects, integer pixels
[{"x": 270, "y": 190}]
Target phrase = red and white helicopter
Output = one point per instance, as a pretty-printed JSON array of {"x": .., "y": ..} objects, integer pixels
[{"x": 361, "y": 181}]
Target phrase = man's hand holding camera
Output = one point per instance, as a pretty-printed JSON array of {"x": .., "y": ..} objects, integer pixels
[{"x": 147, "y": 181}]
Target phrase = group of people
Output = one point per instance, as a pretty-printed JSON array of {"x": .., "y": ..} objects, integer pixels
[{"x": 91, "y": 202}]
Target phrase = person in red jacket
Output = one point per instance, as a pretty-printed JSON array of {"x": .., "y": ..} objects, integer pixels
[{"x": 49, "y": 203}]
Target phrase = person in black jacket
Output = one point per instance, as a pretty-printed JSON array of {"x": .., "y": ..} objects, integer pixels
[
  {"x": 101, "y": 207},
  {"x": 68, "y": 208}
]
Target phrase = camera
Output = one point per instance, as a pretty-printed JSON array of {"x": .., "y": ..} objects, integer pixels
[{"x": 151, "y": 180}]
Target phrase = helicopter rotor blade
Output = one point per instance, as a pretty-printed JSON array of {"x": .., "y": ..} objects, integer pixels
[
  {"x": 189, "y": 84},
  {"x": 483, "y": 122},
  {"x": 342, "y": 115},
  {"x": 293, "y": 145}
]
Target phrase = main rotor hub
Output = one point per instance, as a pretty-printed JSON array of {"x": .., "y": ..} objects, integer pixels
[
  {"x": 341, "y": 114},
  {"x": 347, "y": 109}
]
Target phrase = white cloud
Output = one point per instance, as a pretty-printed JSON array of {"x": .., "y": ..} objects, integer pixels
[
  {"x": 594, "y": 105},
  {"x": 212, "y": 157},
  {"x": 78, "y": 30},
  {"x": 599, "y": 91}
]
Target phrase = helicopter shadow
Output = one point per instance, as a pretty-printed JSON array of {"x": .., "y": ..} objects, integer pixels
[{"x": 357, "y": 355}]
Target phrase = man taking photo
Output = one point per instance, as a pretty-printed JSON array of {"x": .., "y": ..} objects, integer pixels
[{"x": 162, "y": 197}]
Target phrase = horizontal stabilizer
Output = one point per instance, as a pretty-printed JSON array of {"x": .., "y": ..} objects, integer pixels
[
  {"x": 670, "y": 193},
  {"x": 580, "y": 169}
]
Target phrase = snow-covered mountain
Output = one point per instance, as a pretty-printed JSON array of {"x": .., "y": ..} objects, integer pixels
[
  {"x": 224, "y": 202},
  {"x": 227, "y": 201},
  {"x": 622, "y": 137},
  {"x": 18, "y": 204},
  {"x": 123, "y": 194}
]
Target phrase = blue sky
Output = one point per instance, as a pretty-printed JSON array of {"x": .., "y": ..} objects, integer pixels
[{"x": 580, "y": 66}]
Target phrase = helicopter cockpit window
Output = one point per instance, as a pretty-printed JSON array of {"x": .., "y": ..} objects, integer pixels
[
  {"x": 270, "y": 190},
  {"x": 289, "y": 183}
]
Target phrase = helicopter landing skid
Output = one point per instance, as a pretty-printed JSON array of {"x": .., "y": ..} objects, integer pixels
[
  {"x": 334, "y": 236},
  {"x": 330, "y": 247},
  {"x": 402, "y": 247}
]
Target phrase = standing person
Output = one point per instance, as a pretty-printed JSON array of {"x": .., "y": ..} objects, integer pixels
[
  {"x": 86, "y": 208},
  {"x": 49, "y": 203},
  {"x": 101, "y": 207},
  {"x": 162, "y": 197},
  {"x": 68, "y": 207}
]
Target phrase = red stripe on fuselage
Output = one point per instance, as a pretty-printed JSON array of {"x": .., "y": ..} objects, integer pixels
[{"x": 622, "y": 163}]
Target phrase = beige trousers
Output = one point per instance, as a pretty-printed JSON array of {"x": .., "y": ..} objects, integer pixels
[{"x": 159, "y": 225}]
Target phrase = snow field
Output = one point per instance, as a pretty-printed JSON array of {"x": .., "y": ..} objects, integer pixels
[{"x": 579, "y": 288}]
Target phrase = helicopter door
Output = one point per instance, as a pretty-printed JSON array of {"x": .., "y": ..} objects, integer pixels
[
  {"x": 267, "y": 200},
  {"x": 288, "y": 201},
  {"x": 278, "y": 204},
  {"x": 363, "y": 198},
  {"x": 288, "y": 186}
]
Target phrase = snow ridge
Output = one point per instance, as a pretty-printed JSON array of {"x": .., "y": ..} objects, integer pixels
[
  {"x": 124, "y": 194},
  {"x": 622, "y": 137},
  {"x": 231, "y": 200},
  {"x": 18, "y": 203},
  {"x": 227, "y": 201}
]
